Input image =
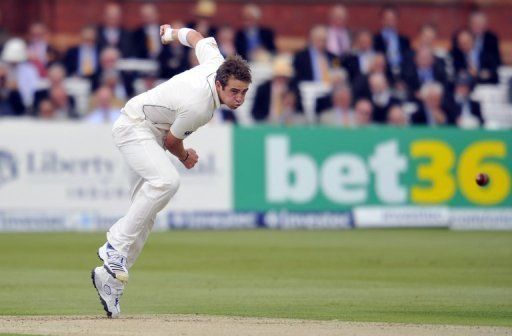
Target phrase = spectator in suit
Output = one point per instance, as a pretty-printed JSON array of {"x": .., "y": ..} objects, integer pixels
[
  {"x": 23, "y": 73},
  {"x": 226, "y": 41},
  {"x": 341, "y": 113},
  {"x": 111, "y": 33},
  {"x": 358, "y": 61},
  {"x": 381, "y": 97},
  {"x": 468, "y": 112},
  {"x": 56, "y": 76},
  {"x": 204, "y": 11},
  {"x": 108, "y": 69},
  {"x": 390, "y": 42},
  {"x": 83, "y": 59},
  {"x": 397, "y": 116},
  {"x": 361, "y": 84},
  {"x": 315, "y": 63},
  {"x": 63, "y": 106},
  {"x": 40, "y": 52},
  {"x": 339, "y": 78},
  {"x": 422, "y": 69},
  {"x": 272, "y": 102},
  {"x": 428, "y": 38},
  {"x": 254, "y": 41},
  {"x": 485, "y": 40},
  {"x": 478, "y": 62},
  {"x": 174, "y": 58},
  {"x": 146, "y": 39},
  {"x": 364, "y": 112},
  {"x": 338, "y": 35},
  {"x": 105, "y": 112},
  {"x": 10, "y": 98},
  {"x": 431, "y": 109}
]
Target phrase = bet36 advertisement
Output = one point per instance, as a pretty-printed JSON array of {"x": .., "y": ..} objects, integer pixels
[{"x": 329, "y": 169}]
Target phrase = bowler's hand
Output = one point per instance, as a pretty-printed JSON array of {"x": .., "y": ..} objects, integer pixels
[
  {"x": 163, "y": 28},
  {"x": 190, "y": 160}
]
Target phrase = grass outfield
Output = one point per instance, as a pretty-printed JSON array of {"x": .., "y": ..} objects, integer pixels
[{"x": 412, "y": 276}]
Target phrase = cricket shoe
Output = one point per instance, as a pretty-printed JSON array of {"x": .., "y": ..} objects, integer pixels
[
  {"x": 109, "y": 290},
  {"x": 114, "y": 262}
]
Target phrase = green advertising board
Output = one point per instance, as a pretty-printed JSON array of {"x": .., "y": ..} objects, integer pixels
[{"x": 332, "y": 169}]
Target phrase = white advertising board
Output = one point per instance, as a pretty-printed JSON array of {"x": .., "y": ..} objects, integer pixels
[{"x": 74, "y": 168}]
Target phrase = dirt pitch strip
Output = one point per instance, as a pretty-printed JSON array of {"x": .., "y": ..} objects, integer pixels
[{"x": 191, "y": 325}]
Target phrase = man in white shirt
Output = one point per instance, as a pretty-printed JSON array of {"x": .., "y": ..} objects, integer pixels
[
  {"x": 105, "y": 112},
  {"x": 150, "y": 123}
]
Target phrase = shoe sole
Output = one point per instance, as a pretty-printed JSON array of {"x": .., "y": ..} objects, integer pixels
[
  {"x": 121, "y": 276},
  {"x": 103, "y": 303}
]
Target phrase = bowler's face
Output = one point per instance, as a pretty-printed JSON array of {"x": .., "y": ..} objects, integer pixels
[{"x": 233, "y": 94}]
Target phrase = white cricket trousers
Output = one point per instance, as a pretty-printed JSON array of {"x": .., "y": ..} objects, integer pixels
[{"x": 155, "y": 180}]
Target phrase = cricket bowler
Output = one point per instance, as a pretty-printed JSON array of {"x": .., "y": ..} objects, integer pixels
[{"x": 151, "y": 123}]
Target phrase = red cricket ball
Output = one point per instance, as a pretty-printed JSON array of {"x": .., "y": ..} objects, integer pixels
[{"x": 482, "y": 179}]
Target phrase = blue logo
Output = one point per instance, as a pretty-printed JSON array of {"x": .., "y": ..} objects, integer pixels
[
  {"x": 8, "y": 167},
  {"x": 187, "y": 133}
]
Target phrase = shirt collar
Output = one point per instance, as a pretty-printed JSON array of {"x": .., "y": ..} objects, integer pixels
[{"x": 211, "y": 83}]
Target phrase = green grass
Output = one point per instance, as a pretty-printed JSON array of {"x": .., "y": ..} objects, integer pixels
[{"x": 413, "y": 276}]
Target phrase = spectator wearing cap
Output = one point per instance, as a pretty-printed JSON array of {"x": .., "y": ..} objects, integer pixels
[
  {"x": 111, "y": 33},
  {"x": 390, "y": 42},
  {"x": 204, "y": 12},
  {"x": 254, "y": 39},
  {"x": 83, "y": 60},
  {"x": 271, "y": 103},
  {"x": 10, "y": 98},
  {"x": 468, "y": 58},
  {"x": 432, "y": 109},
  {"x": 24, "y": 73},
  {"x": 468, "y": 111},
  {"x": 146, "y": 39},
  {"x": 315, "y": 63},
  {"x": 338, "y": 35}
]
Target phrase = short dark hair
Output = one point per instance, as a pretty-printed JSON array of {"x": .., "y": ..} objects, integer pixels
[{"x": 234, "y": 66}]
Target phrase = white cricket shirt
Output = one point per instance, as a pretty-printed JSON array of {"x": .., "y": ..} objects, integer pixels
[{"x": 185, "y": 102}]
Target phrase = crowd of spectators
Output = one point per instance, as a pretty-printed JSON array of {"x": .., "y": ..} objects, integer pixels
[{"x": 380, "y": 77}]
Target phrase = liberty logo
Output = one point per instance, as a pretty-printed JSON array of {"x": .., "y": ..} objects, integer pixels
[{"x": 8, "y": 167}]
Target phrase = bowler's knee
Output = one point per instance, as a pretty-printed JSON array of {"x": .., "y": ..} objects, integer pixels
[{"x": 167, "y": 187}]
